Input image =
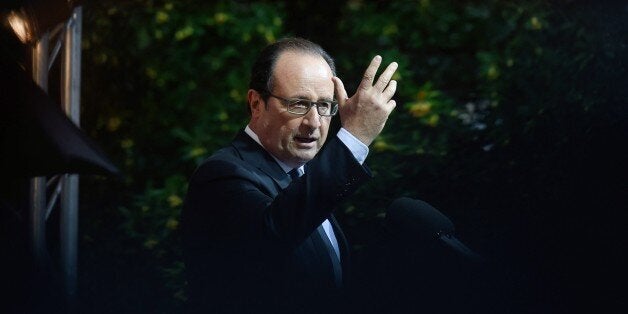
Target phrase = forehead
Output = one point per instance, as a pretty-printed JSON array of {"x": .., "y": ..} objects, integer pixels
[{"x": 299, "y": 72}]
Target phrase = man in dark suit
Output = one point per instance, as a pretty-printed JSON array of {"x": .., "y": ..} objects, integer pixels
[{"x": 258, "y": 230}]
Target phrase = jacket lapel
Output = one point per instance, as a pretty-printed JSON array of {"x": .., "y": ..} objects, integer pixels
[{"x": 251, "y": 152}]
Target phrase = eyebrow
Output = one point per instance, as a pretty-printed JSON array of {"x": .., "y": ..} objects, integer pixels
[{"x": 301, "y": 97}]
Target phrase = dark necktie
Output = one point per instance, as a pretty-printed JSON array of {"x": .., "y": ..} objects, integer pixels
[
  {"x": 335, "y": 262},
  {"x": 294, "y": 174}
]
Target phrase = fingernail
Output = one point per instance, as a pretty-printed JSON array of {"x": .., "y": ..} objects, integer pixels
[{"x": 378, "y": 57}]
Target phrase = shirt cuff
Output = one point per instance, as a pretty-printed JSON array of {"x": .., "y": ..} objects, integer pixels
[{"x": 357, "y": 148}]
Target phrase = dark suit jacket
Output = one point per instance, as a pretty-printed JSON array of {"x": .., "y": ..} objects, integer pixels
[{"x": 249, "y": 232}]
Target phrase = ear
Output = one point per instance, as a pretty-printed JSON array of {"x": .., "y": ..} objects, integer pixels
[{"x": 256, "y": 103}]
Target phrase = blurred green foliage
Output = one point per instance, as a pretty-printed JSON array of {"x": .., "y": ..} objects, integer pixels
[{"x": 480, "y": 111}]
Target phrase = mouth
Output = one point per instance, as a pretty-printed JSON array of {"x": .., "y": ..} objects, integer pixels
[{"x": 305, "y": 139}]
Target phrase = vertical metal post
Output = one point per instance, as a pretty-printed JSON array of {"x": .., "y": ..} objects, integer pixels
[
  {"x": 71, "y": 92},
  {"x": 38, "y": 184}
]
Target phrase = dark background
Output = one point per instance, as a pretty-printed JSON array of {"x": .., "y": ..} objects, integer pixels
[{"x": 511, "y": 119}]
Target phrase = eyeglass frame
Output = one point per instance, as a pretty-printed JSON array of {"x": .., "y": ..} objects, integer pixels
[{"x": 288, "y": 101}]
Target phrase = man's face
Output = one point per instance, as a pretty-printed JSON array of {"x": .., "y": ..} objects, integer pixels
[{"x": 291, "y": 138}]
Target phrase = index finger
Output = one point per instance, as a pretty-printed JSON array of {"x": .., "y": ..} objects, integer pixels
[
  {"x": 369, "y": 74},
  {"x": 383, "y": 80}
]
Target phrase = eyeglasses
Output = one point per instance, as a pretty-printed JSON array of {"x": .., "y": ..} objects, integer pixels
[{"x": 302, "y": 106}]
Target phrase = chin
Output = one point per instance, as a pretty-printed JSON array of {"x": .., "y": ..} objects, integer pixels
[{"x": 303, "y": 158}]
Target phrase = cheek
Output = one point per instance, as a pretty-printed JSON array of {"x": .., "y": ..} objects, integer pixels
[
  {"x": 325, "y": 128},
  {"x": 291, "y": 127},
  {"x": 324, "y": 132},
  {"x": 286, "y": 133}
]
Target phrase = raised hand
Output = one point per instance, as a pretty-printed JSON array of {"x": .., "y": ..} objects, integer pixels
[{"x": 365, "y": 113}]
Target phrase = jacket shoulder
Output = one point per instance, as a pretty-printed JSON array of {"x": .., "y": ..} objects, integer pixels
[{"x": 224, "y": 162}]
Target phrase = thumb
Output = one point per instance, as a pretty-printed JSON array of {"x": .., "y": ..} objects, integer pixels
[{"x": 341, "y": 93}]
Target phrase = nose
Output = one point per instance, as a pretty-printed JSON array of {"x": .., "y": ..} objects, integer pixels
[{"x": 312, "y": 119}]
